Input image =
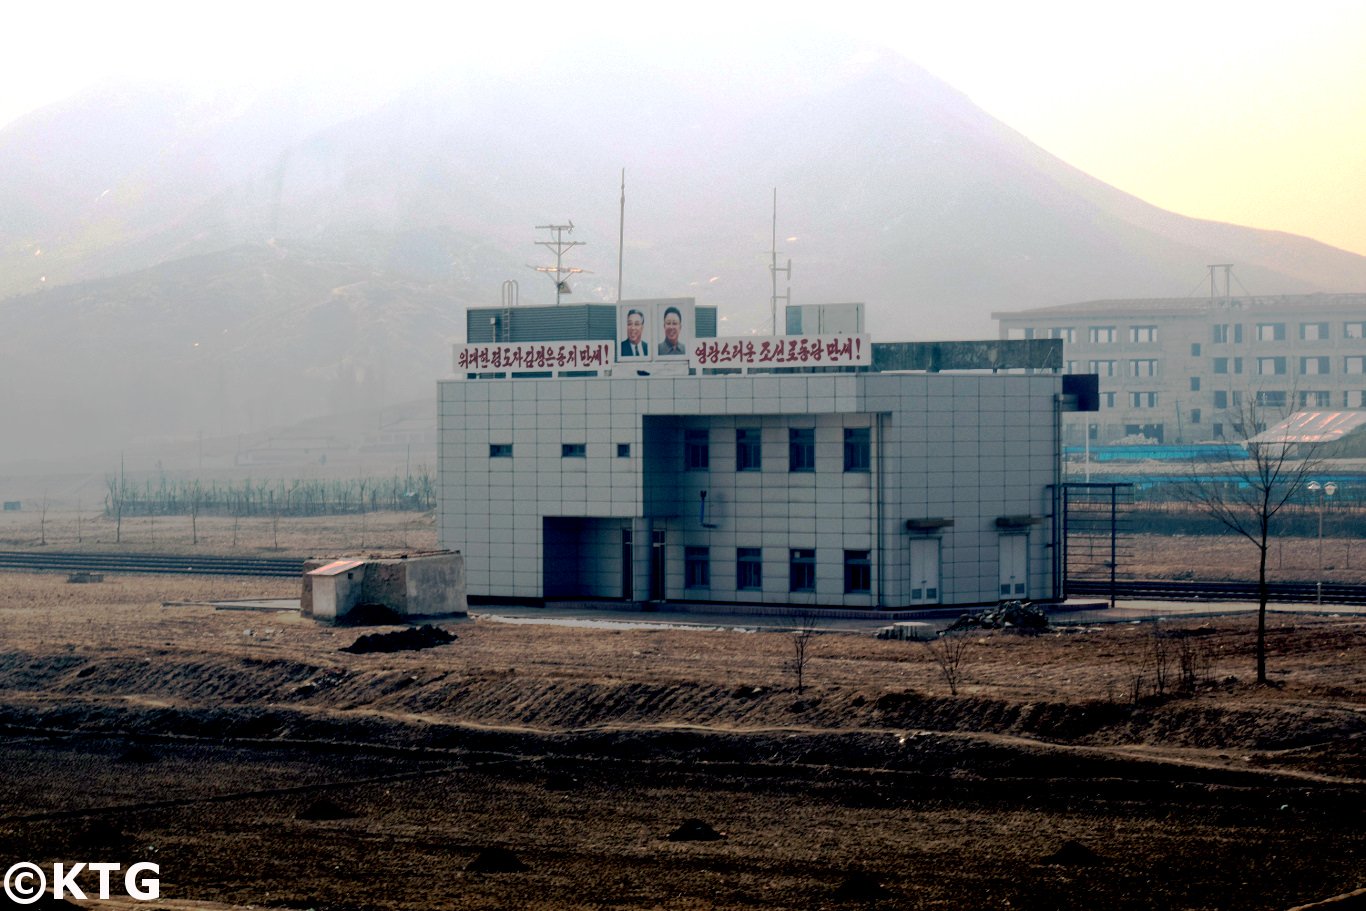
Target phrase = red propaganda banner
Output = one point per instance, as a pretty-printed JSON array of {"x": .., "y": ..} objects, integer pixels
[
  {"x": 533, "y": 356},
  {"x": 784, "y": 351}
]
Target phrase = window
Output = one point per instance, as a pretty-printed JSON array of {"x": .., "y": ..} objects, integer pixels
[
  {"x": 623, "y": 450},
  {"x": 1271, "y": 366},
  {"x": 1143, "y": 400},
  {"x": 696, "y": 567},
  {"x": 858, "y": 572},
  {"x": 1223, "y": 365},
  {"x": 1142, "y": 334},
  {"x": 1313, "y": 332},
  {"x": 1225, "y": 333},
  {"x": 1315, "y": 399},
  {"x": 1271, "y": 332},
  {"x": 1195, "y": 415},
  {"x": 1195, "y": 384},
  {"x": 1354, "y": 364},
  {"x": 857, "y": 449},
  {"x": 748, "y": 449},
  {"x": 1066, "y": 333},
  {"x": 1354, "y": 330},
  {"x": 1108, "y": 399},
  {"x": 1102, "y": 335},
  {"x": 1195, "y": 349},
  {"x": 1220, "y": 399},
  {"x": 500, "y": 450},
  {"x": 1143, "y": 367},
  {"x": 801, "y": 449},
  {"x": 1354, "y": 398},
  {"x": 573, "y": 450},
  {"x": 802, "y": 572},
  {"x": 1104, "y": 368},
  {"x": 749, "y": 568},
  {"x": 1313, "y": 366},
  {"x": 1218, "y": 430},
  {"x": 1270, "y": 399},
  {"x": 696, "y": 450}
]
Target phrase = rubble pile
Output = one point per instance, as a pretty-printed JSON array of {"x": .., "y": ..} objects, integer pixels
[{"x": 1019, "y": 615}]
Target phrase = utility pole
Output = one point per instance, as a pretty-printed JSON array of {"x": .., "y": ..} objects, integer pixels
[{"x": 559, "y": 273}]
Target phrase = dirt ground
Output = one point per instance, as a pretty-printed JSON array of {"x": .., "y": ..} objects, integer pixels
[{"x": 1126, "y": 766}]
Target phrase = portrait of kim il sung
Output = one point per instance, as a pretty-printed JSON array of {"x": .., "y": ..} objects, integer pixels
[{"x": 633, "y": 343}]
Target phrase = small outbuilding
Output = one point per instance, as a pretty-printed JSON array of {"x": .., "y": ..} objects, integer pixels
[{"x": 408, "y": 585}]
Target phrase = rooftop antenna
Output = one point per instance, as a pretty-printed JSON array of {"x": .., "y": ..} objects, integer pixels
[
  {"x": 773, "y": 267},
  {"x": 621, "y": 233},
  {"x": 559, "y": 273},
  {"x": 1228, "y": 272}
]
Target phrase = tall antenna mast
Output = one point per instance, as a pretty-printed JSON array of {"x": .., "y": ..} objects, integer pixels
[
  {"x": 1228, "y": 273},
  {"x": 621, "y": 233},
  {"x": 559, "y": 273},
  {"x": 773, "y": 267}
]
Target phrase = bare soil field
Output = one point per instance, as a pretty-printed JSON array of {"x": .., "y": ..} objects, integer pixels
[{"x": 261, "y": 766}]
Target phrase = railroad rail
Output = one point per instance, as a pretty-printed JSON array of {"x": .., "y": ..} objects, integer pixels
[
  {"x": 163, "y": 564},
  {"x": 1167, "y": 590}
]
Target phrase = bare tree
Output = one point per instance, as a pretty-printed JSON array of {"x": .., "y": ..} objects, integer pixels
[
  {"x": 949, "y": 649},
  {"x": 1246, "y": 492},
  {"x": 804, "y": 629}
]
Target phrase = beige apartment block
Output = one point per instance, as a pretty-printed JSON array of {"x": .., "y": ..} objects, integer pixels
[{"x": 1180, "y": 370}]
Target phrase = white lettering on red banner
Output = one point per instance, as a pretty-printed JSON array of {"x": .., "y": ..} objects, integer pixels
[
  {"x": 785, "y": 351},
  {"x": 533, "y": 356}
]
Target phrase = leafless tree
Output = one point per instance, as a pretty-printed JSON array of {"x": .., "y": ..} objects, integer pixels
[
  {"x": 1245, "y": 492},
  {"x": 949, "y": 649},
  {"x": 804, "y": 629}
]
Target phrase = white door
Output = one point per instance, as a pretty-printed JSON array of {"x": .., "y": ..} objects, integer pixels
[
  {"x": 924, "y": 571},
  {"x": 1014, "y": 566}
]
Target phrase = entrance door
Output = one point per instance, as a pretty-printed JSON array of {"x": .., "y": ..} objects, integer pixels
[
  {"x": 628, "y": 587},
  {"x": 1014, "y": 566},
  {"x": 925, "y": 571},
  {"x": 657, "y": 566}
]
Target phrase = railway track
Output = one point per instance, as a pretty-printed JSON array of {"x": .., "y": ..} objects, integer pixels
[
  {"x": 1165, "y": 590},
  {"x": 262, "y": 567},
  {"x": 163, "y": 564}
]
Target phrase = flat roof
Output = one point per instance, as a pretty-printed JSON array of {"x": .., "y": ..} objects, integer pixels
[{"x": 1192, "y": 306}]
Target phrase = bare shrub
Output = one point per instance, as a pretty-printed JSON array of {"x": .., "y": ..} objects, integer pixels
[
  {"x": 804, "y": 629},
  {"x": 949, "y": 650}
]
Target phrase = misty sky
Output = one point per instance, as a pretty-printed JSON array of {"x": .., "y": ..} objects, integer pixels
[{"x": 1247, "y": 112}]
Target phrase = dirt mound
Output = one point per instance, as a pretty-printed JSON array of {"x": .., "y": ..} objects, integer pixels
[
  {"x": 323, "y": 810},
  {"x": 694, "y": 830},
  {"x": 1073, "y": 854},
  {"x": 496, "y": 860},
  {"x": 138, "y": 754},
  {"x": 860, "y": 887},
  {"x": 409, "y": 639}
]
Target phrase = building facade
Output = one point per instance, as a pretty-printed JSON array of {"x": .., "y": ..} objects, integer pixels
[
  {"x": 862, "y": 489},
  {"x": 1181, "y": 371}
]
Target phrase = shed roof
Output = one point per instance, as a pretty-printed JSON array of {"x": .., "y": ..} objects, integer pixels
[
  {"x": 1313, "y": 427},
  {"x": 336, "y": 568}
]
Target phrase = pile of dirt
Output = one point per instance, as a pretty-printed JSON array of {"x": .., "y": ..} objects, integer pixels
[
  {"x": 1073, "y": 854},
  {"x": 409, "y": 639},
  {"x": 496, "y": 860},
  {"x": 860, "y": 887},
  {"x": 324, "y": 810},
  {"x": 694, "y": 830}
]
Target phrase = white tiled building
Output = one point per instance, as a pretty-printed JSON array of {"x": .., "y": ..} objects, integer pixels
[{"x": 859, "y": 489}]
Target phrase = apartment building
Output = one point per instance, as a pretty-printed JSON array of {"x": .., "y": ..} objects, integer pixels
[{"x": 1181, "y": 370}]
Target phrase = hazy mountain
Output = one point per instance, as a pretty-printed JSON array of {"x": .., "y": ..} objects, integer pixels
[{"x": 321, "y": 248}]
